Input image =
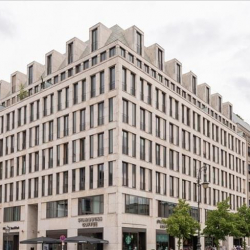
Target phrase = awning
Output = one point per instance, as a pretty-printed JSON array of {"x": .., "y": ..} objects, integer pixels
[
  {"x": 41, "y": 240},
  {"x": 85, "y": 239}
]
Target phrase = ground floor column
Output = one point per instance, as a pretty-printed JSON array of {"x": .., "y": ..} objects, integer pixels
[{"x": 71, "y": 233}]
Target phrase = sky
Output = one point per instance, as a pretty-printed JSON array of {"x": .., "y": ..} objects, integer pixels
[{"x": 212, "y": 39}]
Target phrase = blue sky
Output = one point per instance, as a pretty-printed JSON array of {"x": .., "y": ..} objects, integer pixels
[{"x": 210, "y": 38}]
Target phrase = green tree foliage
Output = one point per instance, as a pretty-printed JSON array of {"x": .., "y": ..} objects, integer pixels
[
  {"x": 22, "y": 92},
  {"x": 220, "y": 223},
  {"x": 181, "y": 224},
  {"x": 242, "y": 223}
]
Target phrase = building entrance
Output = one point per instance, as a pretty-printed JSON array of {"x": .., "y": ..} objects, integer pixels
[
  {"x": 11, "y": 241},
  {"x": 133, "y": 239}
]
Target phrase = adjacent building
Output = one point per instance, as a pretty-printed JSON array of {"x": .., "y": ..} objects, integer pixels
[{"x": 103, "y": 140}]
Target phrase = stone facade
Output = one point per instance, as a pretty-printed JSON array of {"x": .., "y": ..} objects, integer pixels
[{"x": 111, "y": 119}]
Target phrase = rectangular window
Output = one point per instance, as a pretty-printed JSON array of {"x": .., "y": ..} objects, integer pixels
[
  {"x": 100, "y": 176},
  {"x": 111, "y": 109},
  {"x": 100, "y": 113},
  {"x": 49, "y": 64},
  {"x": 12, "y": 214},
  {"x": 111, "y": 171},
  {"x": 94, "y": 40},
  {"x": 102, "y": 83},
  {"x": 136, "y": 205},
  {"x": 138, "y": 43},
  {"x": 31, "y": 74},
  {"x": 82, "y": 179},
  {"x": 111, "y": 141},
  {"x": 75, "y": 93},
  {"x": 112, "y": 78},
  {"x": 57, "y": 209},
  {"x": 91, "y": 177},
  {"x": 91, "y": 116},
  {"x": 101, "y": 144},
  {"x": 70, "y": 53},
  {"x": 125, "y": 174},
  {"x": 90, "y": 205},
  {"x": 112, "y": 51}
]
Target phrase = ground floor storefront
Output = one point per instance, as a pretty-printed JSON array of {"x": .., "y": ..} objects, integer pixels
[{"x": 124, "y": 238}]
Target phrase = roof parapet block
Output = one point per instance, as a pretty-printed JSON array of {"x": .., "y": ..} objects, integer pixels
[
  {"x": 173, "y": 68},
  {"x": 17, "y": 78}
]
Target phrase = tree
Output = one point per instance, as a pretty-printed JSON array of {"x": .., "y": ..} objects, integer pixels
[
  {"x": 220, "y": 223},
  {"x": 22, "y": 92},
  {"x": 242, "y": 223},
  {"x": 181, "y": 224}
]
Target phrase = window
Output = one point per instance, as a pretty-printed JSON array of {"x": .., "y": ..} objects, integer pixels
[
  {"x": 207, "y": 95},
  {"x": 91, "y": 145},
  {"x": 101, "y": 144},
  {"x": 70, "y": 53},
  {"x": 136, "y": 205},
  {"x": 90, "y": 205},
  {"x": 142, "y": 178},
  {"x": 65, "y": 182},
  {"x": 219, "y": 100},
  {"x": 194, "y": 85},
  {"x": 160, "y": 59},
  {"x": 57, "y": 209},
  {"x": 112, "y": 78},
  {"x": 12, "y": 214},
  {"x": 112, "y": 52},
  {"x": 103, "y": 56},
  {"x": 84, "y": 90},
  {"x": 100, "y": 113},
  {"x": 82, "y": 149},
  {"x": 91, "y": 176},
  {"x": 111, "y": 173},
  {"x": 125, "y": 174},
  {"x": 131, "y": 58},
  {"x": 78, "y": 68},
  {"x": 178, "y": 76},
  {"x": 123, "y": 52},
  {"x": 133, "y": 176},
  {"x": 138, "y": 43},
  {"x": 75, "y": 93},
  {"x": 91, "y": 116},
  {"x": 102, "y": 83},
  {"x": 94, "y": 60},
  {"x": 132, "y": 84},
  {"x": 94, "y": 40},
  {"x": 82, "y": 119},
  {"x": 124, "y": 79},
  {"x": 165, "y": 209},
  {"x": 49, "y": 64},
  {"x": 82, "y": 179},
  {"x": 111, "y": 146},
  {"x": 86, "y": 64},
  {"x": 31, "y": 74},
  {"x": 100, "y": 176},
  {"x": 93, "y": 86},
  {"x": 111, "y": 109},
  {"x": 125, "y": 142}
]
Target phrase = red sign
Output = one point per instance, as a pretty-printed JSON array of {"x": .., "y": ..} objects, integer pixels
[{"x": 62, "y": 237}]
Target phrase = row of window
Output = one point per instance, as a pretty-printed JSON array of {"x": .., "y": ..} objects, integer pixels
[
  {"x": 95, "y": 205},
  {"x": 214, "y": 176},
  {"x": 209, "y": 129}
]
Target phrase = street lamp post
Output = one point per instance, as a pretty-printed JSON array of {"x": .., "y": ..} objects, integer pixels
[
  {"x": 205, "y": 185},
  {"x": 7, "y": 231}
]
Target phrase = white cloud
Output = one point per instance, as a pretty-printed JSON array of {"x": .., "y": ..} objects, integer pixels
[{"x": 210, "y": 38}]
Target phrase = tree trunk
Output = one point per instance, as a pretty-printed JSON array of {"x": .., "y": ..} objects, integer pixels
[
  {"x": 179, "y": 243},
  {"x": 244, "y": 243}
]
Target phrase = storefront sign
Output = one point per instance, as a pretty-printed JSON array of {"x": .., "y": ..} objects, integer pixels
[
  {"x": 90, "y": 222},
  {"x": 162, "y": 225}
]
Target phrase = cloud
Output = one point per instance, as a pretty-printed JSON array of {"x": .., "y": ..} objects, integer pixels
[{"x": 7, "y": 27}]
